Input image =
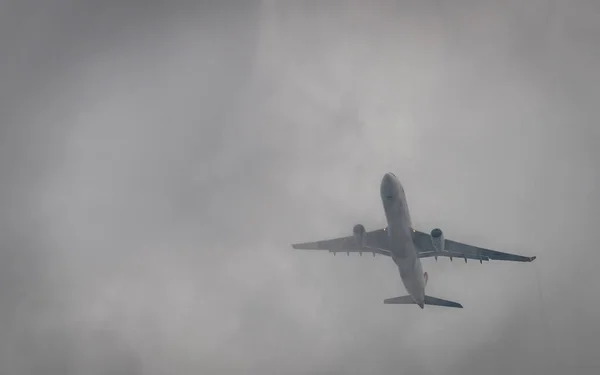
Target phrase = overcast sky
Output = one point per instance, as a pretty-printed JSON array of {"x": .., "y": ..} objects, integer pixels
[{"x": 158, "y": 159}]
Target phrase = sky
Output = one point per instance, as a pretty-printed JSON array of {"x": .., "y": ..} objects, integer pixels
[{"x": 157, "y": 160}]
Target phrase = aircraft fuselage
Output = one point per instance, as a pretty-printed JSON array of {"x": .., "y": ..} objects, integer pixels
[{"x": 399, "y": 231}]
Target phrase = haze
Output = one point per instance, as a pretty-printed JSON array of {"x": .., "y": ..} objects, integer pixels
[{"x": 158, "y": 159}]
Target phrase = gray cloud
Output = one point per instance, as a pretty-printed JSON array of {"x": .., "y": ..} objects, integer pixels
[{"x": 158, "y": 160}]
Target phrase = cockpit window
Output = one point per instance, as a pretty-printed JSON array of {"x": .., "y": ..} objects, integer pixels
[{"x": 389, "y": 197}]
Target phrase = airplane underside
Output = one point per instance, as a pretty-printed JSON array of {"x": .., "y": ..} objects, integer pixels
[{"x": 406, "y": 246}]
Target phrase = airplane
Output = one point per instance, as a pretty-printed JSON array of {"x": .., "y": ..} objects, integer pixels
[{"x": 406, "y": 246}]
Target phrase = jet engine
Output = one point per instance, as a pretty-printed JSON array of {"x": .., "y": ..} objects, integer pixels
[
  {"x": 360, "y": 235},
  {"x": 437, "y": 239}
]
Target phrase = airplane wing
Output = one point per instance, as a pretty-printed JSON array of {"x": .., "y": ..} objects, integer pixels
[
  {"x": 376, "y": 242},
  {"x": 454, "y": 249}
]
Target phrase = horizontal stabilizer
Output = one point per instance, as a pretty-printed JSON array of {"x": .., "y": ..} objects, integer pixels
[
  {"x": 404, "y": 300},
  {"x": 441, "y": 302},
  {"x": 408, "y": 300}
]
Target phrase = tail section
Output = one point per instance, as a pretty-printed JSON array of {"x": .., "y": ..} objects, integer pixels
[{"x": 408, "y": 300}]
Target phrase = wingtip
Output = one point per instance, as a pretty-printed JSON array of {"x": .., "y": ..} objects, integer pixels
[{"x": 532, "y": 258}]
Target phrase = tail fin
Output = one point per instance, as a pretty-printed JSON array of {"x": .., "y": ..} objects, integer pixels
[{"x": 408, "y": 300}]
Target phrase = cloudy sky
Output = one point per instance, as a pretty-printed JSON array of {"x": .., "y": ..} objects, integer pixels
[{"x": 158, "y": 158}]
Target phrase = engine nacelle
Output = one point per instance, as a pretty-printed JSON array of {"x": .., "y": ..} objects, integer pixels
[
  {"x": 360, "y": 235},
  {"x": 437, "y": 239}
]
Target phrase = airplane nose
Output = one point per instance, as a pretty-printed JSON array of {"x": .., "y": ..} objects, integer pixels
[
  {"x": 387, "y": 184},
  {"x": 386, "y": 181}
]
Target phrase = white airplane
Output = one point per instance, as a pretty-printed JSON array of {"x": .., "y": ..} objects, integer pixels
[{"x": 406, "y": 246}]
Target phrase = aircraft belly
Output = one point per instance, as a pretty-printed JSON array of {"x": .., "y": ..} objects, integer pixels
[
  {"x": 399, "y": 231},
  {"x": 403, "y": 249},
  {"x": 409, "y": 266},
  {"x": 401, "y": 242},
  {"x": 411, "y": 279}
]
